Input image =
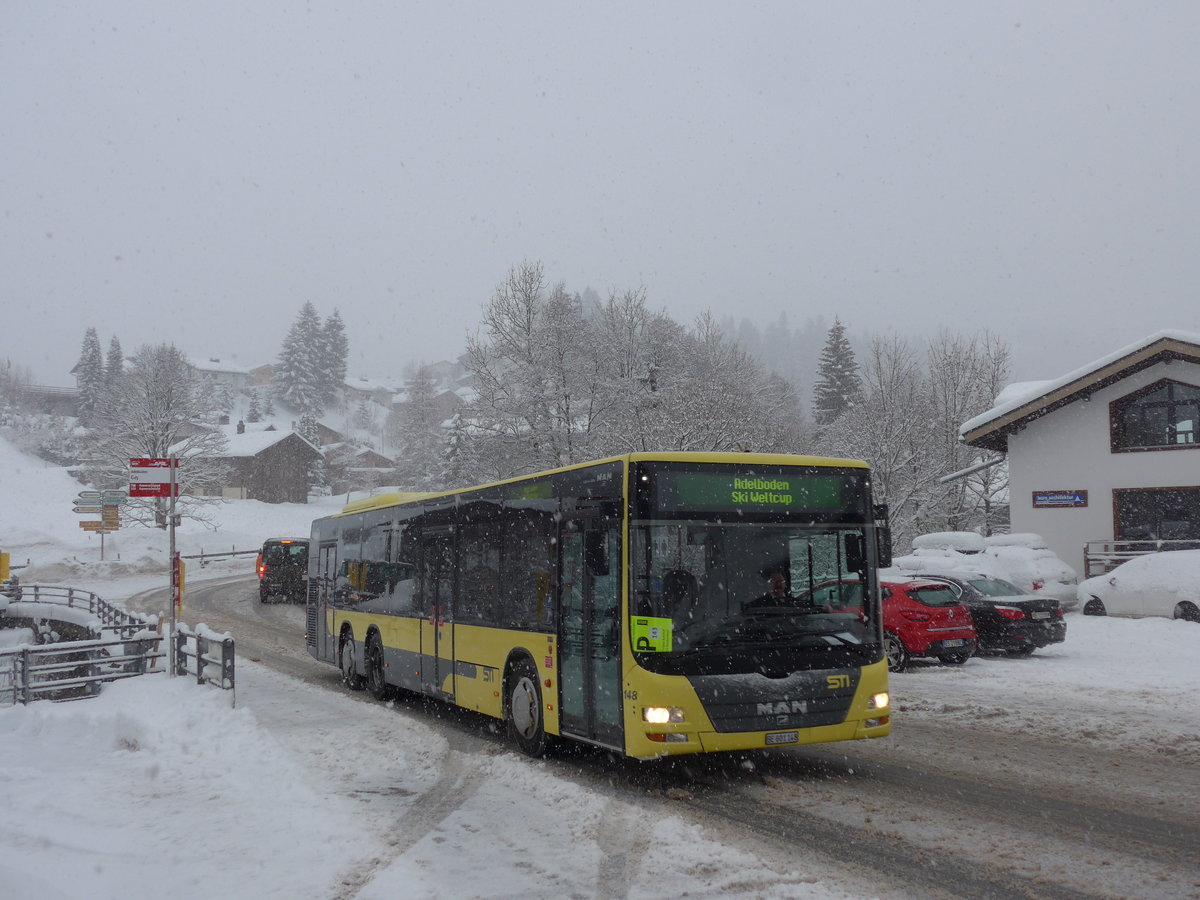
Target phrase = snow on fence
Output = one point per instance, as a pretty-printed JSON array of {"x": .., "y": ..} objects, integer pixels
[
  {"x": 41, "y": 665},
  {"x": 206, "y": 655}
]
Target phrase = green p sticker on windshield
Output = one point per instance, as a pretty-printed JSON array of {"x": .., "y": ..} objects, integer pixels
[{"x": 652, "y": 635}]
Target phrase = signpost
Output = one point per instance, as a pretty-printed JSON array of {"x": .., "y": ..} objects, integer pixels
[
  {"x": 153, "y": 477},
  {"x": 105, "y": 504},
  {"x": 156, "y": 477}
]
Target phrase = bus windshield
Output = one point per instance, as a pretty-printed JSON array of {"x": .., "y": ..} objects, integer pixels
[{"x": 748, "y": 597}]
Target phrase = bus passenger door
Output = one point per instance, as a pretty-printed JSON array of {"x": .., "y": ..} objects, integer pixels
[
  {"x": 437, "y": 628},
  {"x": 590, "y": 645},
  {"x": 326, "y": 573}
]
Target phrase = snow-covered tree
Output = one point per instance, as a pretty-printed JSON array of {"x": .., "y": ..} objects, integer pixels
[
  {"x": 299, "y": 378},
  {"x": 253, "y": 413},
  {"x": 114, "y": 364},
  {"x": 335, "y": 350},
  {"x": 415, "y": 434},
  {"x": 530, "y": 366},
  {"x": 965, "y": 376},
  {"x": 160, "y": 407},
  {"x": 889, "y": 428},
  {"x": 89, "y": 376},
  {"x": 838, "y": 385}
]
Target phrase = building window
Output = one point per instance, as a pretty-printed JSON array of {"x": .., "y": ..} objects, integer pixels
[
  {"x": 1165, "y": 415},
  {"x": 1158, "y": 514}
]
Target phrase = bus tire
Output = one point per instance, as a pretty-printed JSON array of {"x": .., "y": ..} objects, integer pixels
[
  {"x": 346, "y": 662},
  {"x": 523, "y": 708},
  {"x": 377, "y": 685}
]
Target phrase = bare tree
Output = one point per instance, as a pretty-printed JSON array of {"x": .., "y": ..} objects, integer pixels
[
  {"x": 157, "y": 408},
  {"x": 889, "y": 429},
  {"x": 965, "y": 376}
]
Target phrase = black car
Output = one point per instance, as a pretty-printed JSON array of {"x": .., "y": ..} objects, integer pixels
[
  {"x": 283, "y": 570},
  {"x": 1007, "y": 620}
]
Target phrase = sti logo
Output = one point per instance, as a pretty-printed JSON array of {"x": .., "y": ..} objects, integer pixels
[{"x": 837, "y": 681}]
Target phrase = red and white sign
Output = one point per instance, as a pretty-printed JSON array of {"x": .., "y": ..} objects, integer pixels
[{"x": 151, "y": 477}]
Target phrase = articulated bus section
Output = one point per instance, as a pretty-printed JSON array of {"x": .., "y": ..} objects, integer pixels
[{"x": 616, "y": 603}]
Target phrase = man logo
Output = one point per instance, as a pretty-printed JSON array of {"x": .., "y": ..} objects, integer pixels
[{"x": 837, "y": 681}]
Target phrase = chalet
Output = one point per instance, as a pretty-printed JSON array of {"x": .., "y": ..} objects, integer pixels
[
  {"x": 267, "y": 465},
  {"x": 1104, "y": 461}
]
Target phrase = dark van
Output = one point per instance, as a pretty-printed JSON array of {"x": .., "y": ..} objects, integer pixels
[{"x": 283, "y": 570}]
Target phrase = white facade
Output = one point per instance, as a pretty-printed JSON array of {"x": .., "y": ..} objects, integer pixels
[
  {"x": 1069, "y": 449},
  {"x": 1137, "y": 462}
]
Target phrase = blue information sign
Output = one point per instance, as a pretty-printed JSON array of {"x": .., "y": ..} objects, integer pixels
[{"x": 1044, "y": 499}]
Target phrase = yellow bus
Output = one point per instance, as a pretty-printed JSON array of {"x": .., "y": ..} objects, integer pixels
[{"x": 654, "y": 603}]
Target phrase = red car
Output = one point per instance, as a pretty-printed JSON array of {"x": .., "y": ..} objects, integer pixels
[
  {"x": 925, "y": 618},
  {"x": 921, "y": 617}
]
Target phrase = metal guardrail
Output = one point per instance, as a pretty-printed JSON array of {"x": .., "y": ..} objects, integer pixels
[
  {"x": 1101, "y": 557},
  {"x": 72, "y": 670},
  {"x": 111, "y": 617},
  {"x": 205, "y": 557},
  {"x": 207, "y": 656},
  {"x": 127, "y": 645}
]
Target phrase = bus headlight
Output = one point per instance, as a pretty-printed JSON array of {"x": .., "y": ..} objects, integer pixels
[
  {"x": 879, "y": 701},
  {"x": 661, "y": 715}
]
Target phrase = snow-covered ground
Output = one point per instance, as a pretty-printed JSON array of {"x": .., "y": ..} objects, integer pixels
[{"x": 158, "y": 788}]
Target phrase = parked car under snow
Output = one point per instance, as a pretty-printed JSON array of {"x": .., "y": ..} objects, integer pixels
[
  {"x": 1157, "y": 584},
  {"x": 1024, "y": 559}
]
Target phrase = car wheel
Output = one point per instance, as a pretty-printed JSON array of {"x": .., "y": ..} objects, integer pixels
[
  {"x": 377, "y": 685},
  {"x": 346, "y": 662},
  {"x": 1094, "y": 607},
  {"x": 1187, "y": 611},
  {"x": 525, "y": 723},
  {"x": 263, "y": 596},
  {"x": 897, "y": 656}
]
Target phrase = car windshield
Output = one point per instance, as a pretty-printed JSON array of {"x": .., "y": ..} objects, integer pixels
[
  {"x": 995, "y": 587},
  {"x": 742, "y": 596}
]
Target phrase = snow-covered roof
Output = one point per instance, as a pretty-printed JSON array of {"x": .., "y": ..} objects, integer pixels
[
  {"x": 212, "y": 364},
  {"x": 255, "y": 440},
  {"x": 1023, "y": 401}
]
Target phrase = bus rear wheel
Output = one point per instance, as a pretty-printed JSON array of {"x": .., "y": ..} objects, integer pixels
[
  {"x": 525, "y": 723},
  {"x": 377, "y": 685}
]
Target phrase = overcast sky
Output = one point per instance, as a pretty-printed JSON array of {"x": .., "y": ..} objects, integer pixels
[{"x": 195, "y": 172}]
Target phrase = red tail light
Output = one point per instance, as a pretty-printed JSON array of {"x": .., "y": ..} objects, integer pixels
[
  {"x": 1011, "y": 612},
  {"x": 259, "y": 567},
  {"x": 1058, "y": 612}
]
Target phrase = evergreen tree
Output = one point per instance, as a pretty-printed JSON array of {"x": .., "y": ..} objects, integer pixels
[
  {"x": 334, "y": 352},
  {"x": 298, "y": 374},
  {"x": 89, "y": 376},
  {"x": 838, "y": 384},
  {"x": 253, "y": 414},
  {"x": 114, "y": 364}
]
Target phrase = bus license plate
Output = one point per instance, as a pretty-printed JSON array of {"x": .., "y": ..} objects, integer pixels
[{"x": 783, "y": 737}]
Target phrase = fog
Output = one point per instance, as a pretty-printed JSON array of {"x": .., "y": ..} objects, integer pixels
[{"x": 196, "y": 172}]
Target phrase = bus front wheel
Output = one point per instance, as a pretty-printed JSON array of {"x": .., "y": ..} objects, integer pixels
[
  {"x": 350, "y": 676},
  {"x": 525, "y": 723}
]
